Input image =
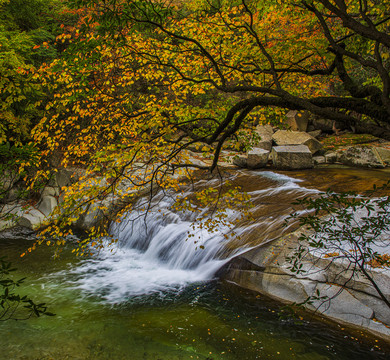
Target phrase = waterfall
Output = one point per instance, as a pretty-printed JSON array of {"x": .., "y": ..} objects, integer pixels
[{"x": 155, "y": 255}]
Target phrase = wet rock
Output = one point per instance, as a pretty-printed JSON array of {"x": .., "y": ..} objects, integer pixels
[
  {"x": 292, "y": 157},
  {"x": 17, "y": 233},
  {"x": 257, "y": 158}
]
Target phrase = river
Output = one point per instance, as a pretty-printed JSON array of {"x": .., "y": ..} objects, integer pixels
[{"x": 154, "y": 294}]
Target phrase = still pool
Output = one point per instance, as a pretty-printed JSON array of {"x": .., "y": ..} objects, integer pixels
[{"x": 201, "y": 320}]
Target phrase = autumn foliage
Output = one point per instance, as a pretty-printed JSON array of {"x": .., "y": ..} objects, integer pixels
[{"x": 140, "y": 82}]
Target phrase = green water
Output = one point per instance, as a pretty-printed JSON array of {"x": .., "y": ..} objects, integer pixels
[{"x": 202, "y": 321}]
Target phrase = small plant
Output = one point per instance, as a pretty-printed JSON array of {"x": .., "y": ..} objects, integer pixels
[
  {"x": 346, "y": 228},
  {"x": 12, "y": 305}
]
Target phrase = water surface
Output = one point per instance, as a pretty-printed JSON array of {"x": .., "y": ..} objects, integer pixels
[{"x": 154, "y": 296}]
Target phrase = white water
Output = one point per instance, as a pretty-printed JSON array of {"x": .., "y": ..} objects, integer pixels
[{"x": 155, "y": 255}]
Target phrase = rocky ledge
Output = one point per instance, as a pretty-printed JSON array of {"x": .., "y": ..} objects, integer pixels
[{"x": 351, "y": 300}]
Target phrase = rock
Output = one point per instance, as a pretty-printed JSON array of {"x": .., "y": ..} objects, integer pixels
[
  {"x": 194, "y": 158},
  {"x": 11, "y": 195},
  {"x": 292, "y": 157},
  {"x": 264, "y": 269},
  {"x": 383, "y": 153},
  {"x": 50, "y": 191},
  {"x": 319, "y": 160},
  {"x": 327, "y": 125},
  {"x": 331, "y": 158},
  {"x": 47, "y": 204},
  {"x": 31, "y": 219},
  {"x": 18, "y": 233},
  {"x": 310, "y": 128},
  {"x": 257, "y": 158},
  {"x": 361, "y": 157},
  {"x": 285, "y": 137},
  {"x": 266, "y": 145},
  {"x": 265, "y": 132},
  {"x": 93, "y": 217},
  {"x": 63, "y": 177},
  {"x": 343, "y": 306},
  {"x": 297, "y": 121},
  {"x": 8, "y": 179},
  {"x": 11, "y": 187},
  {"x": 240, "y": 161},
  {"x": 314, "y": 145},
  {"x": 274, "y": 284},
  {"x": 315, "y": 133}
]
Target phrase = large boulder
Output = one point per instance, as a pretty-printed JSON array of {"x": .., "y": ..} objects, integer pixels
[
  {"x": 361, "y": 156},
  {"x": 292, "y": 157},
  {"x": 265, "y": 132},
  {"x": 286, "y": 137},
  {"x": 265, "y": 145},
  {"x": 31, "y": 218},
  {"x": 384, "y": 153},
  {"x": 240, "y": 161},
  {"x": 47, "y": 204},
  {"x": 257, "y": 158},
  {"x": 297, "y": 121}
]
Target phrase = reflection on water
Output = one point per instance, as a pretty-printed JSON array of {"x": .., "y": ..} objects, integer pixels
[{"x": 154, "y": 298}]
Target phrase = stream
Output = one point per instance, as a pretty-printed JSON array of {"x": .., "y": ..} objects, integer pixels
[{"x": 154, "y": 294}]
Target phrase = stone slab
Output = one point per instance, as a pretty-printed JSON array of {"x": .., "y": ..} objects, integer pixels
[
  {"x": 292, "y": 157},
  {"x": 257, "y": 158}
]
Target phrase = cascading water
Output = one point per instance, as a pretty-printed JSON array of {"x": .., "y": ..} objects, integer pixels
[
  {"x": 150, "y": 297},
  {"x": 155, "y": 255}
]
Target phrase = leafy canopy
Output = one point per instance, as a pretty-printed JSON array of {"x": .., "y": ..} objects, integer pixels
[{"x": 144, "y": 81}]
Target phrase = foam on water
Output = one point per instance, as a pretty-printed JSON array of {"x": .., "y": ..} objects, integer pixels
[{"x": 155, "y": 255}]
